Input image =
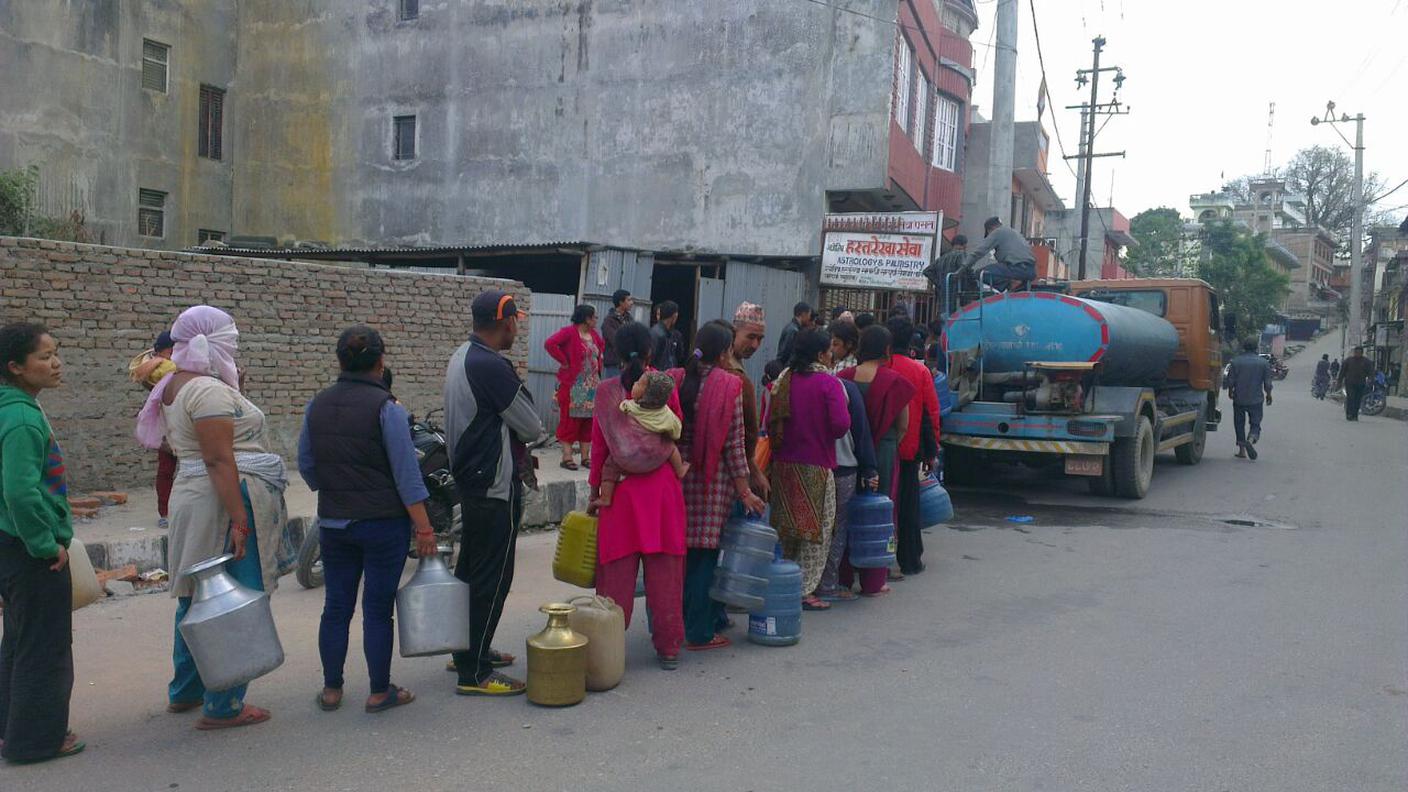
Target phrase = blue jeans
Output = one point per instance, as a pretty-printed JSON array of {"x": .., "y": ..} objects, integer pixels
[
  {"x": 1242, "y": 414},
  {"x": 186, "y": 685},
  {"x": 378, "y": 549},
  {"x": 998, "y": 275}
]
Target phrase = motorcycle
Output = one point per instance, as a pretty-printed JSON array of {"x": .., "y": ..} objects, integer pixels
[
  {"x": 1279, "y": 369},
  {"x": 1375, "y": 400},
  {"x": 443, "y": 508}
]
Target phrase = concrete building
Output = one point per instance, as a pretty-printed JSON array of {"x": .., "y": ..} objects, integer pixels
[
  {"x": 1031, "y": 196},
  {"x": 1109, "y": 235}
]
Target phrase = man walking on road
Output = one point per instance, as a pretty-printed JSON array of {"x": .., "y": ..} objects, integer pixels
[
  {"x": 1249, "y": 378},
  {"x": 1354, "y": 375},
  {"x": 489, "y": 419}
]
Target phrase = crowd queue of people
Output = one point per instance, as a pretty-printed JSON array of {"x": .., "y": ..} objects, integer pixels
[{"x": 677, "y": 441}]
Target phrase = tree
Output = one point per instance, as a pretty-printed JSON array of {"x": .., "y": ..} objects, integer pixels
[
  {"x": 19, "y": 190},
  {"x": 1160, "y": 252},
  {"x": 1325, "y": 177},
  {"x": 1233, "y": 261}
]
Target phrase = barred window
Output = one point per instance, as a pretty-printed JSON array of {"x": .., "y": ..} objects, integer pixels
[
  {"x": 403, "y": 145},
  {"x": 151, "y": 213},
  {"x": 212, "y": 118},
  {"x": 205, "y": 235},
  {"x": 410, "y": 9}
]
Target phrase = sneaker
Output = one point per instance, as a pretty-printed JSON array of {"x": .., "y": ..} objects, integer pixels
[
  {"x": 1251, "y": 452},
  {"x": 1255, "y": 437},
  {"x": 496, "y": 684}
]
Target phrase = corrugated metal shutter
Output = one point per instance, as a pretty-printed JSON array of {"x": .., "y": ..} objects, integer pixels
[
  {"x": 776, "y": 290},
  {"x": 549, "y": 314},
  {"x": 609, "y": 270}
]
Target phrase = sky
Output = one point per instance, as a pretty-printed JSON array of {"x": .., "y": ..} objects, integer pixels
[{"x": 1200, "y": 75}]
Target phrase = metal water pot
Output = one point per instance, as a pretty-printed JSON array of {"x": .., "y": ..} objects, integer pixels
[
  {"x": 432, "y": 610},
  {"x": 229, "y": 628},
  {"x": 557, "y": 660}
]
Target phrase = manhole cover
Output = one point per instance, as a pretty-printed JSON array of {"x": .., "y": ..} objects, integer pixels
[{"x": 1249, "y": 521}]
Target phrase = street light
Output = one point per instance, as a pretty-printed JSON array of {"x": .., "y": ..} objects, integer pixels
[{"x": 1356, "y": 242}]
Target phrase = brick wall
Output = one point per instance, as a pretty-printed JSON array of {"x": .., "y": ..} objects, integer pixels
[{"x": 106, "y": 304}]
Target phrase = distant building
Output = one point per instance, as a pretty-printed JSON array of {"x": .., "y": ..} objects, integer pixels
[
  {"x": 1109, "y": 237},
  {"x": 1032, "y": 196}
]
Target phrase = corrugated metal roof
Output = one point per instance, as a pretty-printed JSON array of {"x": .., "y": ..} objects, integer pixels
[{"x": 431, "y": 251}]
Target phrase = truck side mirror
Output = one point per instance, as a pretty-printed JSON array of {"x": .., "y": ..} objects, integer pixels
[{"x": 1229, "y": 325}]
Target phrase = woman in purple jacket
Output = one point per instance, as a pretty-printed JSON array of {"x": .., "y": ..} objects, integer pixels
[{"x": 806, "y": 415}]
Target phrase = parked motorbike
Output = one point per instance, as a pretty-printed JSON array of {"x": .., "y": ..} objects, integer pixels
[
  {"x": 1375, "y": 400},
  {"x": 1279, "y": 369},
  {"x": 443, "y": 508}
]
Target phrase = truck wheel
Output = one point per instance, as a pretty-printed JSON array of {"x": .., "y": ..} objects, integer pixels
[
  {"x": 1133, "y": 460},
  {"x": 1192, "y": 453}
]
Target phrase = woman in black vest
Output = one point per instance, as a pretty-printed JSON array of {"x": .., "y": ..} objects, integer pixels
[{"x": 356, "y": 453}]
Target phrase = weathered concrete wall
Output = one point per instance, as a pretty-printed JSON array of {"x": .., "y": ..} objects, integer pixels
[
  {"x": 74, "y": 106},
  {"x": 105, "y": 304},
  {"x": 646, "y": 123}
]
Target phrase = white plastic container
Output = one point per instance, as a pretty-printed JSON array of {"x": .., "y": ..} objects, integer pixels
[
  {"x": 604, "y": 624},
  {"x": 86, "y": 588}
]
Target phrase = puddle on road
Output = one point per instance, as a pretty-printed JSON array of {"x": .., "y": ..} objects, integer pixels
[{"x": 981, "y": 509}]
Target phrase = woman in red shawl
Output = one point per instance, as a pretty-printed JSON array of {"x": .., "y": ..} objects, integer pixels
[
  {"x": 887, "y": 396},
  {"x": 577, "y": 348},
  {"x": 644, "y": 525},
  {"x": 712, "y": 443}
]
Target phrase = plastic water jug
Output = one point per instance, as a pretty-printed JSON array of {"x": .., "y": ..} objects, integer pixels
[
  {"x": 945, "y": 394},
  {"x": 575, "y": 559},
  {"x": 229, "y": 628},
  {"x": 745, "y": 556},
  {"x": 86, "y": 588},
  {"x": 870, "y": 537},
  {"x": 557, "y": 660},
  {"x": 603, "y": 622},
  {"x": 432, "y": 610},
  {"x": 779, "y": 621},
  {"x": 935, "y": 507}
]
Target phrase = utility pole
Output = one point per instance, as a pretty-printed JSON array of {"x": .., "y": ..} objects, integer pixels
[
  {"x": 1356, "y": 242},
  {"x": 1087, "y": 135},
  {"x": 1004, "y": 88}
]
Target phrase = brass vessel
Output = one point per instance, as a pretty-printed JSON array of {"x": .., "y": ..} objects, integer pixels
[{"x": 557, "y": 660}]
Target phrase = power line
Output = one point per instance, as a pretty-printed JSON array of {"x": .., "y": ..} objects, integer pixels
[
  {"x": 1046, "y": 88},
  {"x": 1384, "y": 195}
]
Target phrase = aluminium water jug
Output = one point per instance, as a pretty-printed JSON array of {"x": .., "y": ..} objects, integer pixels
[
  {"x": 870, "y": 537},
  {"x": 432, "y": 610},
  {"x": 574, "y": 561},
  {"x": 229, "y": 627},
  {"x": 935, "y": 506},
  {"x": 779, "y": 621},
  {"x": 745, "y": 556}
]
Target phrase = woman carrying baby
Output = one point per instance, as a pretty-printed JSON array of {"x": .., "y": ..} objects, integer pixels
[{"x": 641, "y": 514}]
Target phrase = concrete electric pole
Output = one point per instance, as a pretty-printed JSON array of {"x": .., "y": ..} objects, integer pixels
[
  {"x": 1004, "y": 88},
  {"x": 1087, "y": 136},
  {"x": 1356, "y": 242}
]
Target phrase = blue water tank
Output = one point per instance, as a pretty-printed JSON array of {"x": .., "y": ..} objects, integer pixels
[
  {"x": 945, "y": 394},
  {"x": 1133, "y": 346},
  {"x": 870, "y": 537},
  {"x": 745, "y": 556},
  {"x": 935, "y": 506},
  {"x": 778, "y": 622}
]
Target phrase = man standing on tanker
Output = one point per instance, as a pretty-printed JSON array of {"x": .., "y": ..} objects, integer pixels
[{"x": 1015, "y": 259}]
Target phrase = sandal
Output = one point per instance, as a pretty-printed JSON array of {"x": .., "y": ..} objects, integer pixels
[
  {"x": 813, "y": 603},
  {"x": 395, "y": 697},
  {"x": 839, "y": 595},
  {"x": 717, "y": 642},
  {"x": 248, "y": 716},
  {"x": 497, "y": 659},
  {"x": 668, "y": 662},
  {"x": 496, "y": 684},
  {"x": 71, "y": 746},
  {"x": 568, "y": 465},
  {"x": 882, "y": 592},
  {"x": 329, "y": 706},
  {"x": 178, "y": 707}
]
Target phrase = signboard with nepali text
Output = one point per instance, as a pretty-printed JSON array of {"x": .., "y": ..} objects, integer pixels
[
  {"x": 912, "y": 223},
  {"x": 876, "y": 261}
]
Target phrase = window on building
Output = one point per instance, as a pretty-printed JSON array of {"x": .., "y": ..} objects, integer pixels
[
  {"x": 403, "y": 145},
  {"x": 212, "y": 122},
  {"x": 922, "y": 91},
  {"x": 410, "y": 9},
  {"x": 904, "y": 83},
  {"x": 155, "y": 59},
  {"x": 946, "y": 126},
  {"x": 205, "y": 235},
  {"x": 151, "y": 213}
]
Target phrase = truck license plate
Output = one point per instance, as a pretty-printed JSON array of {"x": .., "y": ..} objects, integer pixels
[{"x": 1085, "y": 465}]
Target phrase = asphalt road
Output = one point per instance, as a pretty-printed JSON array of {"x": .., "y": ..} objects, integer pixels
[{"x": 1107, "y": 645}]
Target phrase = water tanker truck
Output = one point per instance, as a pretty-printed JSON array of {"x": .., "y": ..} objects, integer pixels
[{"x": 1098, "y": 378}]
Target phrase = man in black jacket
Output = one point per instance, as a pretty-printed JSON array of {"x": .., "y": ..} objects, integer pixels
[
  {"x": 489, "y": 420},
  {"x": 621, "y": 304},
  {"x": 1354, "y": 374}
]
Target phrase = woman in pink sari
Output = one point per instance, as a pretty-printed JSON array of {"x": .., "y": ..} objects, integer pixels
[
  {"x": 712, "y": 443},
  {"x": 644, "y": 525}
]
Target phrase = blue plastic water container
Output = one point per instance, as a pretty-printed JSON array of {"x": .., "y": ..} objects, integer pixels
[
  {"x": 945, "y": 394},
  {"x": 935, "y": 506},
  {"x": 779, "y": 621},
  {"x": 745, "y": 558},
  {"x": 870, "y": 538}
]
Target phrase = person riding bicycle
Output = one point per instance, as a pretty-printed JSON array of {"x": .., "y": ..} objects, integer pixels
[{"x": 1015, "y": 259}]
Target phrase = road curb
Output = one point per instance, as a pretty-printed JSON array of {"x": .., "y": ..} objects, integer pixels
[{"x": 542, "y": 509}]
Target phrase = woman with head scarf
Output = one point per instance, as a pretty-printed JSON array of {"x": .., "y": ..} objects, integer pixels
[
  {"x": 806, "y": 416},
  {"x": 713, "y": 444},
  {"x": 228, "y": 495}
]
